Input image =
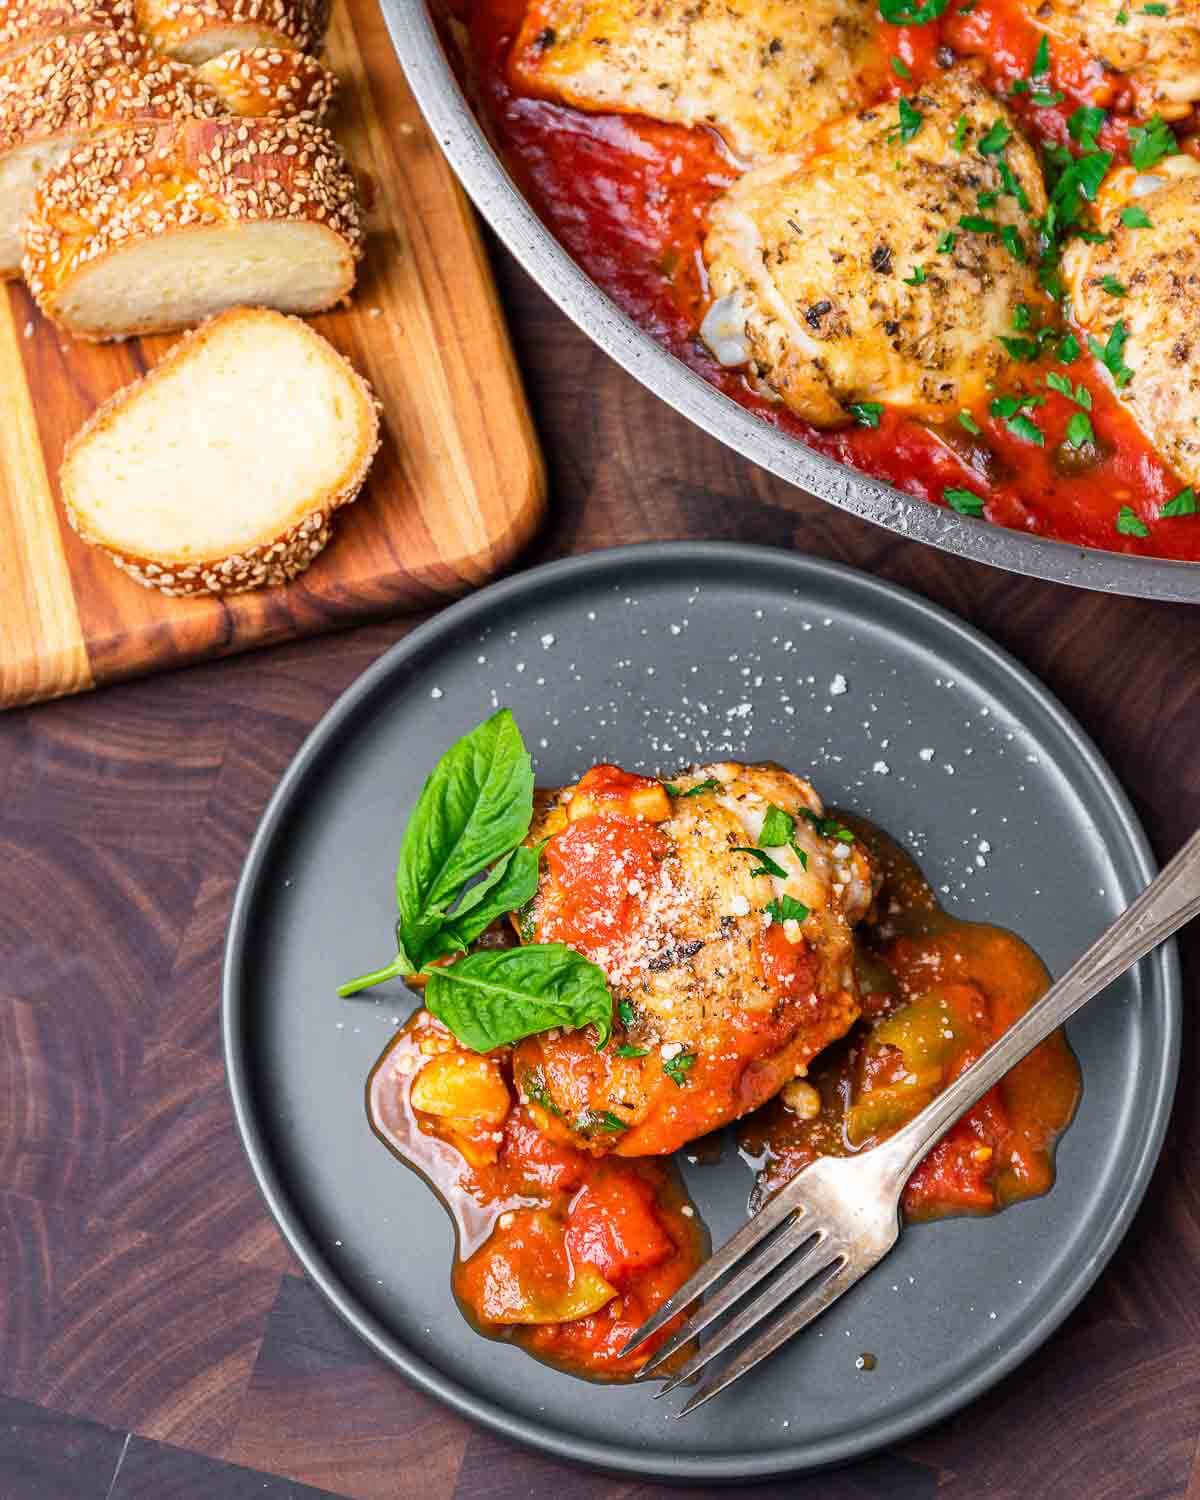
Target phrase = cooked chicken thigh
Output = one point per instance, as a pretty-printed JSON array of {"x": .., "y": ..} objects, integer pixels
[
  {"x": 1138, "y": 296},
  {"x": 1159, "y": 52},
  {"x": 882, "y": 266},
  {"x": 731, "y": 968},
  {"x": 762, "y": 72}
]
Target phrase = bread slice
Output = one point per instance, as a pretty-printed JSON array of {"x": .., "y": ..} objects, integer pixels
[
  {"x": 220, "y": 471},
  {"x": 146, "y": 231},
  {"x": 271, "y": 81},
  {"x": 24, "y": 23},
  {"x": 192, "y": 31},
  {"x": 57, "y": 93}
]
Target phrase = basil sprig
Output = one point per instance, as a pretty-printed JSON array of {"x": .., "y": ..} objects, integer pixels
[{"x": 462, "y": 865}]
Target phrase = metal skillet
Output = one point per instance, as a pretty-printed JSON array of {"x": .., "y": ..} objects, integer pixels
[{"x": 501, "y": 203}]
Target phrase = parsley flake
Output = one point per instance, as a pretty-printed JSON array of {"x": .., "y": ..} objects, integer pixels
[
  {"x": 1112, "y": 353},
  {"x": 677, "y": 1068},
  {"x": 1112, "y": 286},
  {"x": 965, "y": 419},
  {"x": 994, "y": 139},
  {"x": 866, "y": 413},
  {"x": 1129, "y": 523},
  {"x": 1079, "y": 431},
  {"x": 917, "y": 278},
  {"x": 1134, "y": 217},
  {"x": 965, "y": 502},
  {"x": 1184, "y": 504},
  {"x": 1149, "y": 143},
  {"x": 786, "y": 909},
  {"x": 766, "y": 866}
]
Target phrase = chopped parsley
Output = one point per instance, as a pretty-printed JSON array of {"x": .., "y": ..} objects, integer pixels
[
  {"x": 1041, "y": 58},
  {"x": 1155, "y": 8},
  {"x": 911, "y": 120},
  {"x": 1077, "y": 393},
  {"x": 1012, "y": 410},
  {"x": 1112, "y": 354},
  {"x": 900, "y": 68},
  {"x": 965, "y": 502},
  {"x": 1020, "y": 316},
  {"x": 693, "y": 791},
  {"x": 1079, "y": 431},
  {"x": 1149, "y": 143},
  {"x": 677, "y": 1068},
  {"x": 1184, "y": 504},
  {"x": 906, "y": 13},
  {"x": 1069, "y": 350},
  {"x": 777, "y": 829},
  {"x": 625, "y": 1011},
  {"x": 1112, "y": 286},
  {"x": 631, "y": 1052},
  {"x": 533, "y": 1085},
  {"x": 767, "y": 865},
  {"x": 1134, "y": 217},
  {"x": 1011, "y": 185},
  {"x": 866, "y": 413},
  {"x": 787, "y": 909},
  {"x": 946, "y": 243},
  {"x": 965, "y": 419},
  {"x": 1129, "y": 523},
  {"x": 1122, "y": 17},
  {"x": 994, "y": 139},
  {"x": 917, "y": 278},
  {"x": 1085, "y": 125},
  {"x": 603, "y": 1119},
  {"x": 830, "y": 827},
  {"x": 960, "y": 133}
]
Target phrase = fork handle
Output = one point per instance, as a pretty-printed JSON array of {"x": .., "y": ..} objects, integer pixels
[{"x": 1170, "y": 900}]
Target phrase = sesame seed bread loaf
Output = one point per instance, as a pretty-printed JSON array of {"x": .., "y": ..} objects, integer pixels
[
  {"x": 192, "y": 31},
  {"x": 150, "y": 230},
  {"x": 25, "y": 22},
  {"x": 220, "y": 471},
  {"x": 260, "y": 81},
  {"x": 56, "y": 94}
]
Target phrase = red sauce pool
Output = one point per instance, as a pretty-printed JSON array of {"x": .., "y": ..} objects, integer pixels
[{"x": 629, "y": 199}]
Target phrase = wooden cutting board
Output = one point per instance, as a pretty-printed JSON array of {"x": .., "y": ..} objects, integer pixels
[{"x": 458, "y": 485}]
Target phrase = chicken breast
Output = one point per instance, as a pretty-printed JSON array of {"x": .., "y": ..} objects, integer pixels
[
  {"x": 882, "y": 266},
  {"x": 731, "y": 970},
  {"x": 1158, "y": 53},
  {"x": 1138, "y": 296},
  {"x": 761, "y": 72}
]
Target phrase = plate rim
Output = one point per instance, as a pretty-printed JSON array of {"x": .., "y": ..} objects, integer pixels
[{"x": 1163, "y": 965}]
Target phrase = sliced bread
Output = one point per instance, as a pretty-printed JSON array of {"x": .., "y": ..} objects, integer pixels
[
  {"x": 23, "y": 23},
  {"x": 221, "y": 469},
  {"x": 58, "y": 93},
  {"x": 276, "y": 81},
  {"x": 150, "y": 230},
  {"x": 192, "y": 31}
]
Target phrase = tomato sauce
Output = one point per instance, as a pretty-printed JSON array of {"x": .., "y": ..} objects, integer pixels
[
  {"x": 558, "y": 1251},
  {"x": 629, "y": 199},
  {"x": 937, "y": 992}
]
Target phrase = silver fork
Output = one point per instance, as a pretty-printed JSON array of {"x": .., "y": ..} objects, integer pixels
[{"x": 839, "y": 1217}]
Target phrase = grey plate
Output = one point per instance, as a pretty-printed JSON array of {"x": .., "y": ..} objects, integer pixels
[
  {"x": 502, "y": 205},
  {"x": 655, "y": 656}
]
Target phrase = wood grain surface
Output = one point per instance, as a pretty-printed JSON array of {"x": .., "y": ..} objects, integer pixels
[
  {"x": 156, "y": 1340},
  {"x": 456, "y": 490}
]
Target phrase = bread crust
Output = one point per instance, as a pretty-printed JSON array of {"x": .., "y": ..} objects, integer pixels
[
  {"x": 255, "y": 82},
  {"x": 179, "y": 27},
  {"x": 24, "y": 23},
  {"x": 276, "y": 559},
  {"x": 132, "y": 185},
  {"x": 84, "y": 81}
]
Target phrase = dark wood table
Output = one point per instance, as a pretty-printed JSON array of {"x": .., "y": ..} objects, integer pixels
[{"x": 157, "y": 1341}]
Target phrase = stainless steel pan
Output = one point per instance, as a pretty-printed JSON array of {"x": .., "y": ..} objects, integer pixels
[{"x": 502, "y": 205}]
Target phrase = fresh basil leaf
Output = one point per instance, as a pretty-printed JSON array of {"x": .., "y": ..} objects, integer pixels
[
  {"x": 777, "y": 828},
  {"x": 500, "y": 995},
  {"x": 476, "y": 805},
  {"x": 507, "y": 887}
]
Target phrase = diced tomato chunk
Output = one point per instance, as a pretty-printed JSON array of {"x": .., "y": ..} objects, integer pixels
[{"x": 612, "y": 1225}]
